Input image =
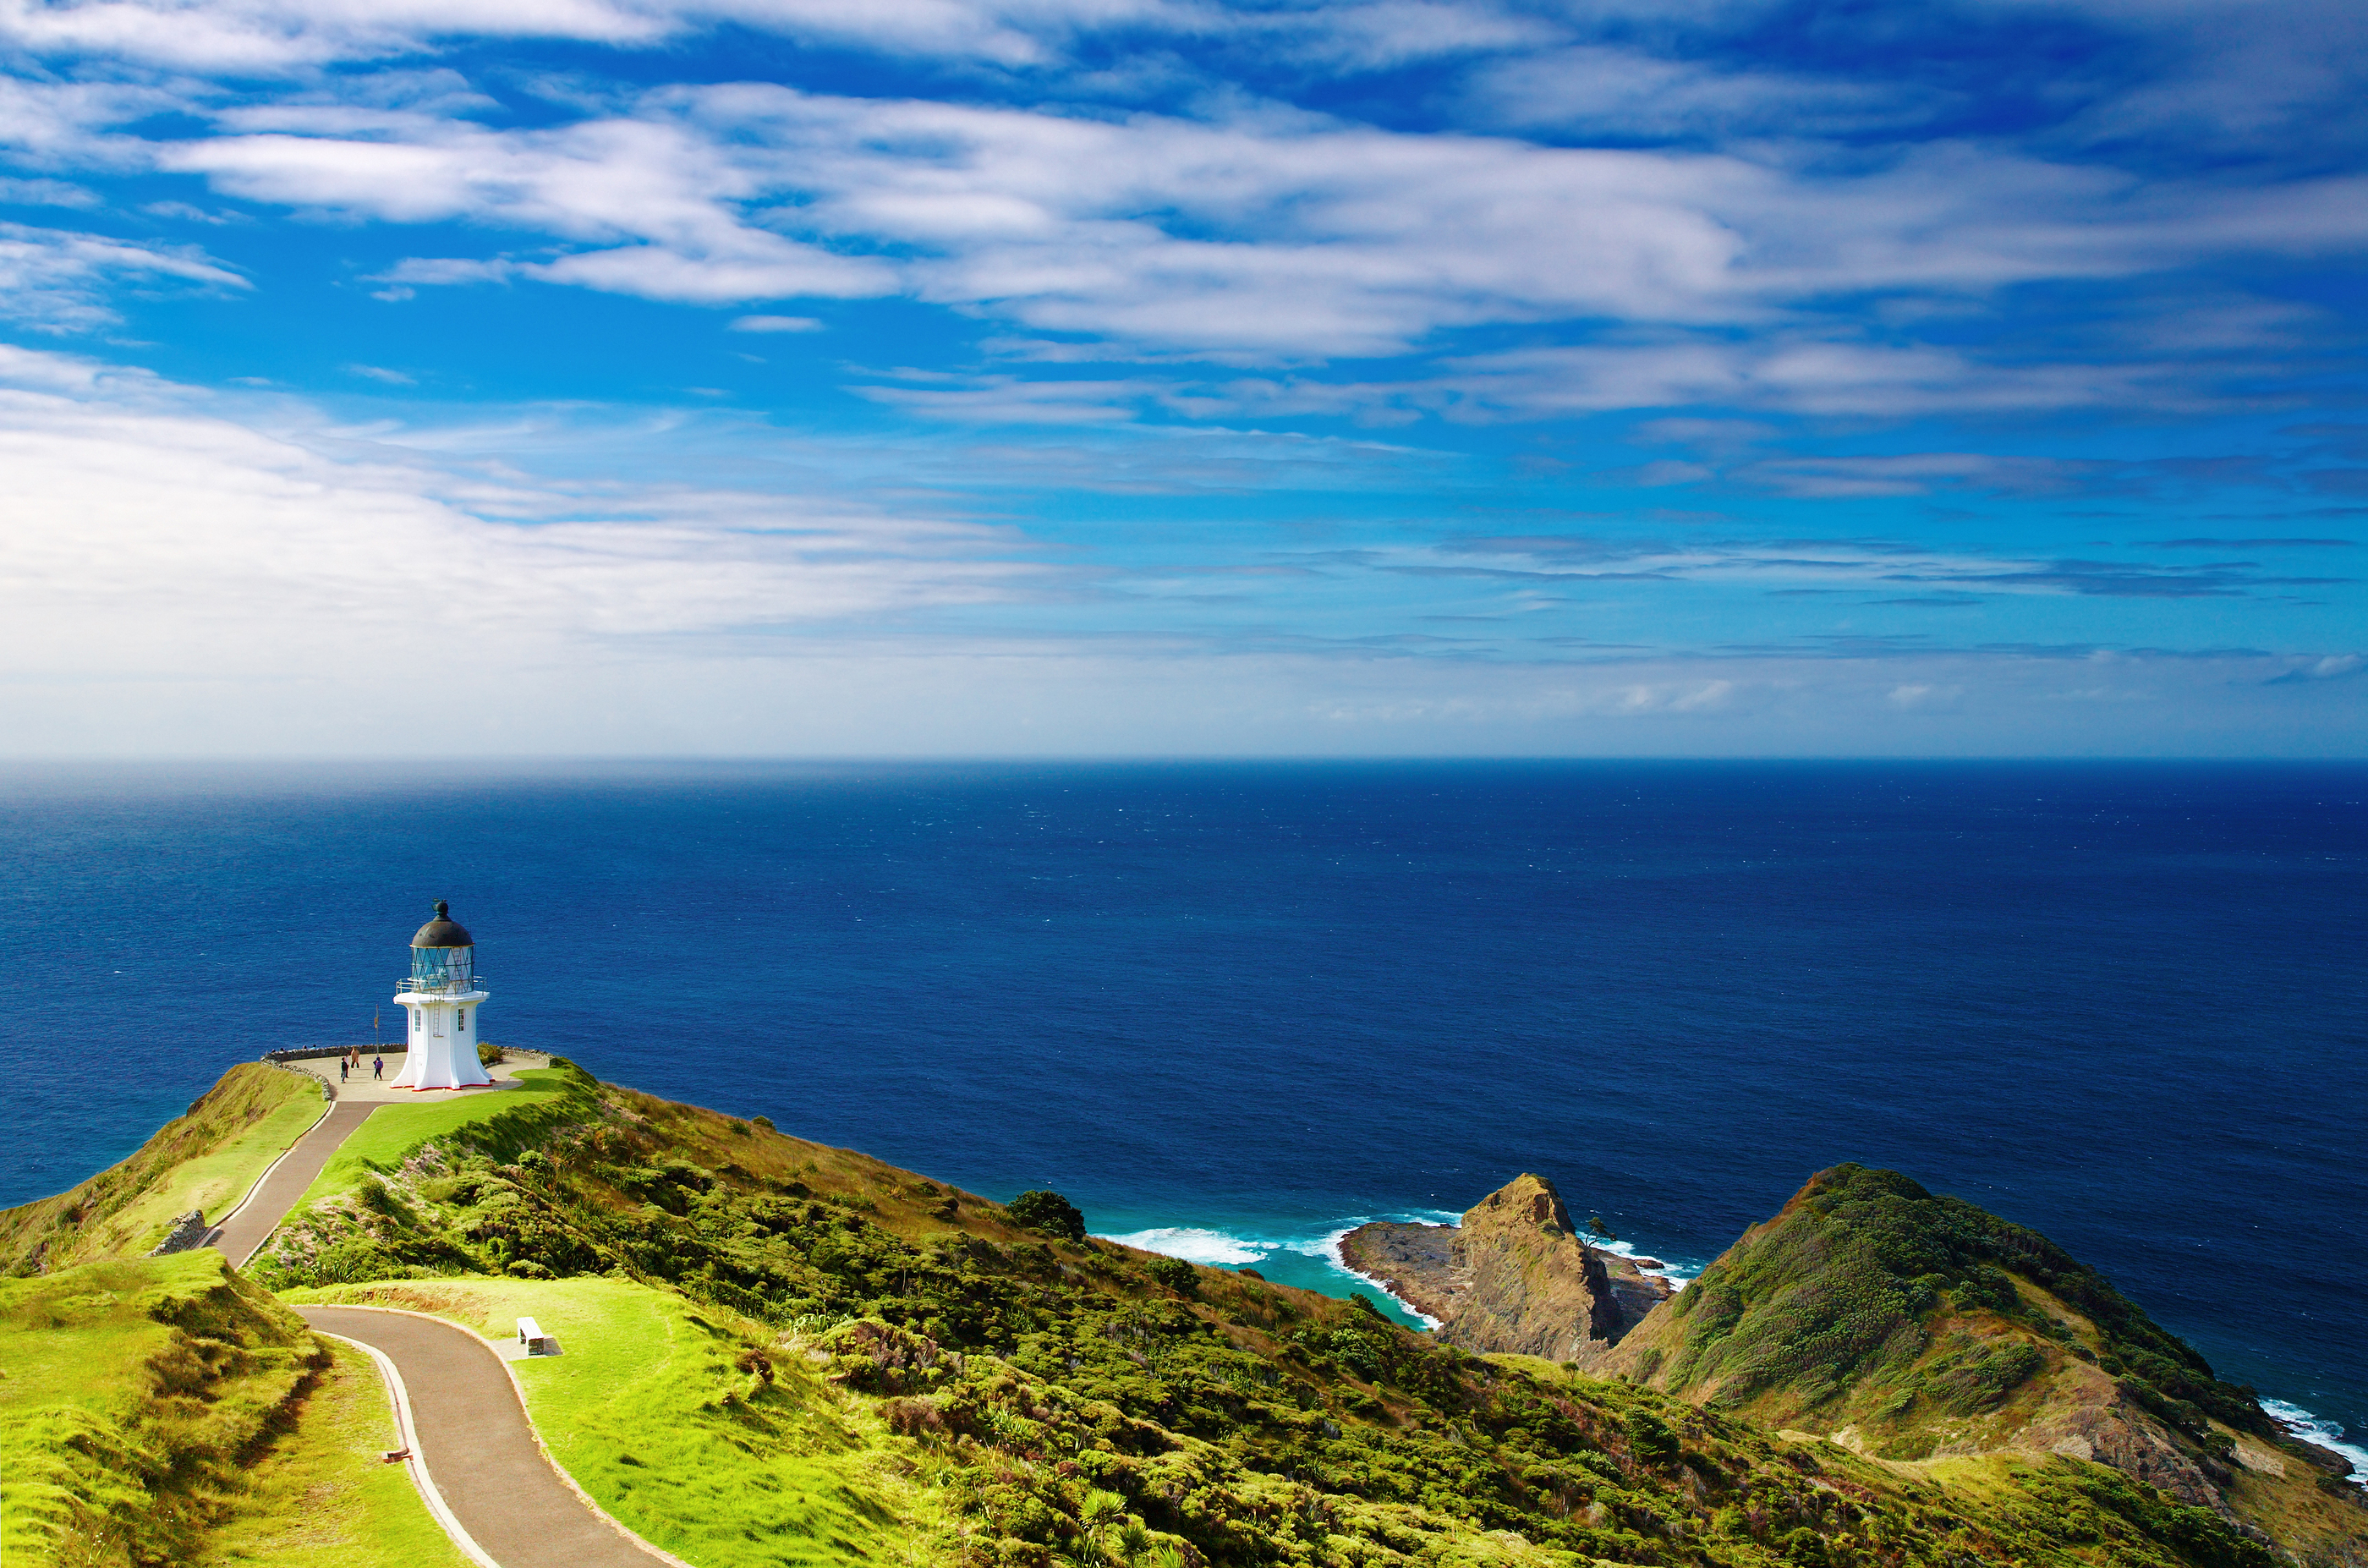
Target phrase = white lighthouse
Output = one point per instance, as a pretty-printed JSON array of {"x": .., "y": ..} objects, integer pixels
[{"x": 441, "y": 995}]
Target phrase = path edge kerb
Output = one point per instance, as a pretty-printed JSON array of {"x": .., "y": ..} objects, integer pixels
[
  {"x": 407, "y": 1433},
  {"x": 517, "y": 1389}
]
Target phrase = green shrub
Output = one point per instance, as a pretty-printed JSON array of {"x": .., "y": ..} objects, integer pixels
[
  {"x": 1979, "y": 1377},
  {"x": 1176, "y": 1274},
  {"x": 1651, "y": 1438},
  {"x": 1048, "y": 1212},
  {"x": 355, "y": 1261}
]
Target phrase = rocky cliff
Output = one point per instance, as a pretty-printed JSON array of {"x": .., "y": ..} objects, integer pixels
[{"x": 1512, "y": 1277}]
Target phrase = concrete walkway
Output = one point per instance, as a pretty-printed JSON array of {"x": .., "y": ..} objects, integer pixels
[
  {"x": 252, "y": 1223},
  {"x": 362, "y": 1086},
  {"x": 475, "y": 1440}
]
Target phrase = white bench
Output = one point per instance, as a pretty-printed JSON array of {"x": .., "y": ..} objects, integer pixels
[{"x": 530, "y": 1335}]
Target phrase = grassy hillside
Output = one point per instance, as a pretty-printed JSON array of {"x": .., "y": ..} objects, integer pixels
[
  {"x": 134, "y": 1395},
  {"x": 1913, "y": 1328},
  {"x": 1045, "y": 1397},
  {"x": 207, "y": 1159},
  {"x": 513, "y": 1118},
  {"x": 319, "y": 1496}
]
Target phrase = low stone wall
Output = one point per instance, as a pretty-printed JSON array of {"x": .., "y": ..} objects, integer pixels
[
  {"x": 316, "y": 1053},
  {"x": 188, "y": 1232}
]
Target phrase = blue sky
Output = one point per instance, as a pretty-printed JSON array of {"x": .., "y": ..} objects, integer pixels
[{"x": 761, "y": 377}]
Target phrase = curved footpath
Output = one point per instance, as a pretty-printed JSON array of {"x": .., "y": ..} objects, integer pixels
[
  {"x": 470, "y": 1435},
  {"x": 493, "y": 1488},
  {"x": 247, "y": 1227}
]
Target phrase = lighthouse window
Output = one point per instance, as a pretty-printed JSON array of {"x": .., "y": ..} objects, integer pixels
[{"x": 462, "y": 1017}]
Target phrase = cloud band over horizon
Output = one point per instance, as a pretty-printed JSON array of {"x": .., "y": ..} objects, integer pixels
[{"x": 1400, "y": 377}]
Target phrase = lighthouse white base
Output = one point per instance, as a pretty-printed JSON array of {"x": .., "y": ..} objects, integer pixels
[
  {"x": 434, "y": 1065},
  {"x": 442, "y": 1051}
]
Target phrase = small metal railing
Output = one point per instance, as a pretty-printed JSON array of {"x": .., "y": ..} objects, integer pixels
[{"x": 441, "y": 984}]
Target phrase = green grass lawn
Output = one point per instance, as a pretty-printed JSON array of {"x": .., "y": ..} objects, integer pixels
[
  {"x": 649, "y": 1408},
  {"x": 216, "y": 1182},
  {"x": 322, "y": 1497},
  {"x": 131, "y": 1393},
  {"x": 393, "y": 1131}
]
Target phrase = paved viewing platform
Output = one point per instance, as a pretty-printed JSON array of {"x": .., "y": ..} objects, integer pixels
[{"x": 360, "y": 1087}]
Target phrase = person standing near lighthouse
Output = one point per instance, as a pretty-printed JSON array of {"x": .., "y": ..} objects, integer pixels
[{"x": 441, "y": 997}]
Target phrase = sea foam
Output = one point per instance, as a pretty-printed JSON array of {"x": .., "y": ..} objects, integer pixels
[
  {"x": 1196, "y": 1246},
  {"x": 1327, "y": 1247},
  {"x": 1676, "y": 1274},
  {"x": 2325, "y": 1433}
]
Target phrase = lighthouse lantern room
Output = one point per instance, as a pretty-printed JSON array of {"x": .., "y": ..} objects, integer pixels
[{"x": 441, "y": 995}]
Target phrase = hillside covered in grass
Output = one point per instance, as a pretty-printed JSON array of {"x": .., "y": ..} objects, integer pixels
[
  {"x": 1910, "y": 1326},
  {"x": 132, "y": 1394},
  {"x": 777, "y": 1353},
  {"x": 205, "y": 1158},
  {"x": 1051, "y": 1397}
]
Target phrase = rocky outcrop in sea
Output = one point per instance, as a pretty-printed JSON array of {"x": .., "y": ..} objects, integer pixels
[{"x": 1513, "y": 1277}]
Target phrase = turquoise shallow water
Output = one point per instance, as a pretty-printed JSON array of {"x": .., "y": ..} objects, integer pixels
[{"x": 2122, "y": 1003}]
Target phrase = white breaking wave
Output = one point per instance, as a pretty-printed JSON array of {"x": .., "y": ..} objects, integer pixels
[
  {"x": 1678, "y": 1277},
  {"x": 1327, "y": 1247},
  {"x": 2325, "y": 1433},
  {"x": 1223, "y": 1249},
  {"x": 1195, "y": 1246}
]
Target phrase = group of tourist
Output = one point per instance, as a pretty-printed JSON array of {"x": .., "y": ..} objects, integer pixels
[{"x": 351, "y": 1062}]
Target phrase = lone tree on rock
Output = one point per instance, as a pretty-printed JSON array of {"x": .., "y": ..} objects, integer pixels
[{"x": 1048, "y": 1212}]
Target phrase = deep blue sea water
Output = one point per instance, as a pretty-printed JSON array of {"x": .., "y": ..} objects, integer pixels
[{"x": 1248, "y": 1006}]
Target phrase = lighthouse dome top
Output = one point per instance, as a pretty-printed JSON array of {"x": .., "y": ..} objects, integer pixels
[{"x": 443, "y": 931}]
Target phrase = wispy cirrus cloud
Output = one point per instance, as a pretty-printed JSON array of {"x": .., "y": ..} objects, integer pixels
[
  {"x": 264, "y": 37},
  {"x": 1267, "y": 235},
  {"x": 195, "y": 530},
  {"x": 59, "y": 280},
  {"x": 1882, "y": 566}
]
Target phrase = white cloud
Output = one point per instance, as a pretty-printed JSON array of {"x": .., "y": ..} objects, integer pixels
[
  {"x": 1266, "y": 235},
  {"x": 1385, "y": 33},
  {"x": 58, "y": 280},
  {"x": 1631, "y": 95},
  {"x": 247, "y": 37},
  {"x": 150, "y": 534},
  {"x": 1776, "y": 373},
  {"x": 776, "y": 324},
  {"x": 46, "y": 193}
]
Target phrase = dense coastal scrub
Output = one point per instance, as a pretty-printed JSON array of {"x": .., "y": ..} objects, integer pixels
[
  {"x": 206, "y": 1158},
  {"x": 1060, "y": 1399},
  {"x": 1867, "y": 1281},
  {"x": 776, "y": 1353},
  {"x": 1912, "y": 1326}
]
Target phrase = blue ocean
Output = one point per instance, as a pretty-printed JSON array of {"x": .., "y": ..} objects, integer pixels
[{"x": 1233, "y": 1009}]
